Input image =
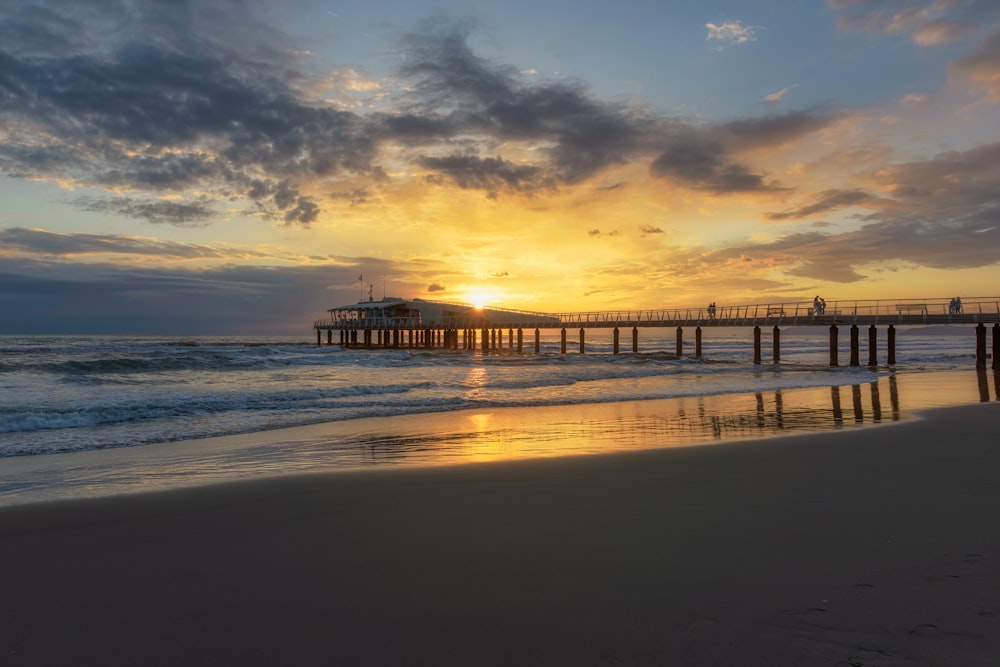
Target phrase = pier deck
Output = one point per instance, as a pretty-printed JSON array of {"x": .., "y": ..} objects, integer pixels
[{"x": 395, "y": 323}]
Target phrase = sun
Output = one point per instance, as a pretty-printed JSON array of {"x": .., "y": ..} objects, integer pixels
[{"x": 479, "y": 300}]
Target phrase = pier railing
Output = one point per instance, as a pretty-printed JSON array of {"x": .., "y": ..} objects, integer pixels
[{"x": 856, "y": 311}]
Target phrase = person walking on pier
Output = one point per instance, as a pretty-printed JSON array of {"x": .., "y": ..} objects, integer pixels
[{"x": 819, "y": 305}]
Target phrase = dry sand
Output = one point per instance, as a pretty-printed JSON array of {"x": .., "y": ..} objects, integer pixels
[{"x": 876, "y": 546}]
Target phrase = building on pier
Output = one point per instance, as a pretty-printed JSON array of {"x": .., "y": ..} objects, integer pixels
[{"x": 395, "y": 314}]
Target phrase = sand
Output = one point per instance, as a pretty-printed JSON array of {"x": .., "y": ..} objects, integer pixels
[{"x": 873, "y": 546}]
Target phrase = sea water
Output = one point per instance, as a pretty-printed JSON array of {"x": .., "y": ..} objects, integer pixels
[{"x": 75, "y": 394}]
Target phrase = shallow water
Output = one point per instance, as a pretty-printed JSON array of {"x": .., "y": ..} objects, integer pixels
[
  {"x": 61, "y": 394},
  {"x": 490, "y": 434}
]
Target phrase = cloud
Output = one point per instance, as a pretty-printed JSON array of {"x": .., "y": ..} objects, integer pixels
[
  {"x": 777, "y": 97},
  {"x": 940, "y": 212},
  {"x": 925, "y": 22},
  {"x": 646, "y": 230},
  {"x": 594, "y": 233},
  {"x": 982, "y": 65},
  {"x": 100, "y": 298},
  {"x": 490, "y": 174},
  {"x": 434, "y": 287},
  {"x": 193, "y": 122},
  {"x": 180, "y": 213},
  {"x": 187, "y": 107},
  {"x": 701, "y": 162},
  {"x": 825, "y": 202},
  {"x": 777, "y": 129},
  {"x": 51, "y": 244},
  {"x": 731, "y": 32}
]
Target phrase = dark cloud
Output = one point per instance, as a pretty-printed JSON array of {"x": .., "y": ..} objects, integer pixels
[
  {"x": 491, "y": 174},
  {"x": 434, "y": 287},
  {"x": 925, "y": 21},
  {"x": 164, "y": 98},
  {"x": 775, "y": 130},
  {"x": 943, "y": 212},
  {"x": 650, "y": 229},
  {"x": 581, "y": 135},
  {"x": 190, "y": 213},
  {"x": 982, "y": 65},
  {"x": 701, "y": 162},
  {"x": 40, "y": 242},
  {"x": 101, "y": 298},
  {"x": 180, "y": 108},
  {"x": 825, "y": 202}
]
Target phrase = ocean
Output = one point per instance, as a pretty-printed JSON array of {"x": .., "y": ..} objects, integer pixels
[{"x": 145, "y": 395}]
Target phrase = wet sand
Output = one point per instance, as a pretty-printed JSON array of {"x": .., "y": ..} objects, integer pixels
[{"x": 872, "y": 546}]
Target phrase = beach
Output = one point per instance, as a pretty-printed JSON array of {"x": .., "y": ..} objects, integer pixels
[{"x": 867, "y": 546}]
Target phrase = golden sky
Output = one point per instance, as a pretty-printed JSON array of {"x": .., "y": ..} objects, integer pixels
[{"x": 236, "y": 167}]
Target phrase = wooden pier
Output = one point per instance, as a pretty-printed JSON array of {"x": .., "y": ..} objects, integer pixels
[{"x": 396, "y": 323}]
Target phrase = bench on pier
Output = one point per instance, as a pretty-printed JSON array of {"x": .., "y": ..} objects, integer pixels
[
  {"x": 911, "y": 308},
  {"x": 775, "y": 311}
]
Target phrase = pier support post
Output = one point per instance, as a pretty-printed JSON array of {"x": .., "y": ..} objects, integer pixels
[
  {"x": 776, "y": 343},
  {"x": 486, "y": 340},
  {"x": 980, "y": 345},
  {"x": 319, "y": 337},
  {"x": 615, "y": 345},
  {"x": 520, "y": 340},
  {"x": 510, "y": 339},
  {"x": 581, "y": 340},
  {"x": 329, "y": 336},
  {"x": 635, "y": 339},
  {"x": 562, "y": 348},
  {"x": 855, "y": 346},
  {"x": 834, "y": 334},
  {"x": 872, "y": 346},
  {"x": 756, "y": 345},
  {"x": 538, "y": 341},
  {"x": 996, "y": 346},
  {"x": 680, "y": 341},
  {"x": 697, "y": 342},
  {"x": 890, "y": 345}
]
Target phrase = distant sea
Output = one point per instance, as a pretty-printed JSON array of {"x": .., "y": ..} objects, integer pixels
[{"x": 84, "y": 393}]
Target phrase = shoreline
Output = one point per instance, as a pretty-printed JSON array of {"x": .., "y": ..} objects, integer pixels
[
  {"x": 489, "y": 434},
  {"x": 871, "y": 546}
]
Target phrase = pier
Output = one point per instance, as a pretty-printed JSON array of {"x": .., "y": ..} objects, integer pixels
[{"x": 398, "y": 323}]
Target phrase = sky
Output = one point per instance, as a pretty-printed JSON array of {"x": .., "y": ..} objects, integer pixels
[{"x": 241, "y": 166}]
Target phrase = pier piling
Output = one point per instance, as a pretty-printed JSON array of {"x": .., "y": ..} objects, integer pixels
[
  {"x": 981, "y": 345},
  {"x": 756, "y": 344},
  {"x": 776, "y": 347},
  {"x": 680, "y": 341},
  {"x": 996, "y": 346},
  {"x": 615, "y": 344},
  {"x": 697, "y": 342},
  {"x": 855, "y": 346},
  {"x": 890, "y": 344},
  {"x": 872, "y": 346},
  {"x": 834, "y": 334}
]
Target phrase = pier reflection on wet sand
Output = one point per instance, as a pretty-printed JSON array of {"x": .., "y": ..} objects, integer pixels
[{"x": 516, "y": 433}]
